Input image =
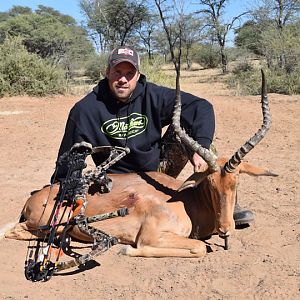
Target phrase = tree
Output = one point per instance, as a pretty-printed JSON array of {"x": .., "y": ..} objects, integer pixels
[
  {"x": 249, "y": 36},
  {"x": 14, "y": 11},
  {"x": 213, "y": 11},
  {"x": 114, "y": 21},
  {"x": 276, "y": 24},
  {"x": 50, "y": 35},
  {"x": 173, "y": 25},
  {"x": 191, "y": 34},
  {"x": 19, "y": 10},
  {"x": 147, "y": 31},
  {"x": 281, "y": 48},
  {"x": 46, "y": 11},
  {"x": 160, "y": 44},
  {"x": 96, "y": 22},
  {"x": 275, "y": 16},
  {"x": 281, "y": 12},
  {"x": 182, "y": 29},
  {"x": 22, "y": 72}
]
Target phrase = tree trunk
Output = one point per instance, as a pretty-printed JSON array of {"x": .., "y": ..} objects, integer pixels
[
  {"x": 187, "y": 58},
  {"x": 224, "y": 61}
]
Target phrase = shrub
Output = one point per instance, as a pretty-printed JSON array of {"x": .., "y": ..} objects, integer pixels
[
  {"x": 242, "y": 67},
  {"x": 26, "y": 73},
  {"x": 154, "y": 73},
  {"x": 246, "y": 83},
  {"x": 284, "y": 83},
  {"x": 278, "y": 81},
  {"x": 96, "y": 67},
  {"x": 207, "y": 56}
]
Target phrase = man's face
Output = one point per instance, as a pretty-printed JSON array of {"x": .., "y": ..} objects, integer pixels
[{"x": 122, "y": 80}]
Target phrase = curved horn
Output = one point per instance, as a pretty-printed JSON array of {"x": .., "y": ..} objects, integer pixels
[
  {"x": 236, "y": 159},
  {"x": 206, "y": 154}
]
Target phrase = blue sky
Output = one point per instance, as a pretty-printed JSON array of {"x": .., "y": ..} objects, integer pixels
[
  {"x": 68, "y": 7},
  {"x": 71, "y": 7}
]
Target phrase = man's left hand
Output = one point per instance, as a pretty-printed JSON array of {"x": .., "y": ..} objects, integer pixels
[{"x": 199, "y": 163}]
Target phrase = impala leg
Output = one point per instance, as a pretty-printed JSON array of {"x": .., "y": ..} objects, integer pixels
[
  {"x": 22, "y": 232},
  {"x": 168, "y": 246}
]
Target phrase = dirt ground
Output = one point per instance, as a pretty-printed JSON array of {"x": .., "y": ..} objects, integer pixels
[{"x": 264, "y": 259}]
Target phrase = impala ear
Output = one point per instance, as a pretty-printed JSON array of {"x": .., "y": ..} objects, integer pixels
[
  {"x": 255, "y": 171},
  {"x": 194, "y": 180}
]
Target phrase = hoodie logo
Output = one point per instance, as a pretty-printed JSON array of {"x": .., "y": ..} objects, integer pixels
[{"x": 125, "y": 127}]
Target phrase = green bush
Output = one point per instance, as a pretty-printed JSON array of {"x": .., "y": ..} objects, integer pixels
[
  {"x": 96, "y": 67},
  {"x": 246, "y": 83},
  {"x": 207, "y": 56},
  {"x": 153, "y": 71},
  {"x": 26, "y": 73},
  {"x": 242, "y": 67},
  {"x": 278, "y": 81},
  {"x": 284, "y": 83}
]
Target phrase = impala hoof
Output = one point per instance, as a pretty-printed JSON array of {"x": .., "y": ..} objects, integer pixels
[{"x": 124, "y": 250}]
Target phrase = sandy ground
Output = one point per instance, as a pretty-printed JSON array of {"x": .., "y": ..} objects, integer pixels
[{"x": 264, "y": 259}]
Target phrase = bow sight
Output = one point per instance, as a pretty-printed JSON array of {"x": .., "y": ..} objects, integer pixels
[{"x": 39, "y": 264}]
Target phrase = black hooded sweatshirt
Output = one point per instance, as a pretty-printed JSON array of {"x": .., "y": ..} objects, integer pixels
[{"x": 101, "y": 120}]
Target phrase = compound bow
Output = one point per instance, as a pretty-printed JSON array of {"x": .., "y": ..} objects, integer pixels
[{"x": 39, "y": 264}]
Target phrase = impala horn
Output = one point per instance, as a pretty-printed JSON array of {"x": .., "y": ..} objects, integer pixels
[
  {"x": 209, "y": 157},
  {"x": 236, "y": 159}
]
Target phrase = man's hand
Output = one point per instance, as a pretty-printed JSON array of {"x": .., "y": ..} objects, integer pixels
[{"x": 199, "y": 164}]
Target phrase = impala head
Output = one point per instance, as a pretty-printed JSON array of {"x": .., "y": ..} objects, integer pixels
[
  {"x": 222, "y": 187},
  {"x": 222, "y": 175}
]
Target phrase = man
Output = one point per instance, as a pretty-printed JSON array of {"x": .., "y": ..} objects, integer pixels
[{"x": 127, "y": 111}]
